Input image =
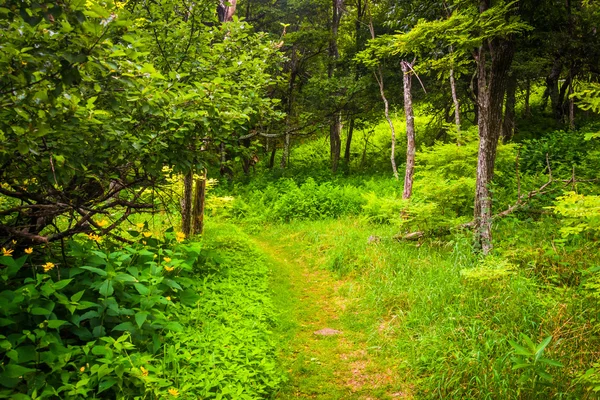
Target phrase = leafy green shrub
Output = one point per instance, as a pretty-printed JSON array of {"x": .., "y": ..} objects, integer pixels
[
  {"x": 126, "y": 321},
  {"x": 580, "y": 213}
]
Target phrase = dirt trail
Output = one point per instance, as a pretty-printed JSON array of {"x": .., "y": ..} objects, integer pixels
[{"x": 329, "y": 366}]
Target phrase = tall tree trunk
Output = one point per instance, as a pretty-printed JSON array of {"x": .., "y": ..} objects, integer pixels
[
  {"x": 285, "y": 156},
  {"x": 456, "y": 103},
  {"x": 410, "y": 129},
  {"x": 273, "y": 153},
  {"x": 527, "y": 111},
  {"x": 335, "y": 140},
  {"x": 349, "y": 142},
  {"x": 571, "y": 108},
  {"x": 552, "y": 86},
  {"x": 199, "y": 202},
  {"x": 508, "y": 125},
  {"x": 186, "y": 204},
  {"x": 492, "y": 78}
]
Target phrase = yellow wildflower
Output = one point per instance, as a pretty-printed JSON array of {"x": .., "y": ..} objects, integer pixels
[
  {"x": 144, "y": 371},
  {"x": 180, "y": 236},
  {"x": 14, "y": 242},
  {"x": 144, "y": 242},
  {"x": 94, "y": 237},
  {"x": 168, "y": 298},
  {"x": 147, "y": 234},
  {"x": 81, "y": 369},
  {"x": 169, "y": 269},
  {"x": 102, "y": 223},
  {"x": 28, "y": 250},
  {"x": 48, "y": 266},
  {"x": 167, "y": 259},
  {"x": 173, "y": 392},
  {"x": 140, "y": 225},
  {"x": 7, "y": 253}
]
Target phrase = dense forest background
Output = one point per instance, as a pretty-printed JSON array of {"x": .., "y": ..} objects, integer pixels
[{"x": 439, "y": 158}]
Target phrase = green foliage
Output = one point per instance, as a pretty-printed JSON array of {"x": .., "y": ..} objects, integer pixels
[
  {"x": 580, "y": 213},
  {"x": 99, "y": 102},
  {"x": 127, "y": 321},
  {"x": 529, "y": 358}
]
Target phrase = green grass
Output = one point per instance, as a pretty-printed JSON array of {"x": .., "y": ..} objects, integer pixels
[{"x": 434, "y": 315}]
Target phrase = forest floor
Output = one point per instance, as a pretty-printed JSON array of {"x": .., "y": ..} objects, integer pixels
[{"x": 312, "y": 301}]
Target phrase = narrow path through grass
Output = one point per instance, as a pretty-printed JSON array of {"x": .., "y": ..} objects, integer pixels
[{"x": 310, "y": 298}]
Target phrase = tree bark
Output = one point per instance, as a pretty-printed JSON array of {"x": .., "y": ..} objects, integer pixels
[
  {"x": 571, "y": 108},
  {"x": 335, "y": 140},
  {"x": 349, "y": 142},
  {"x": 527, "y": 111},
  {"x": 273, "y": 153},
  {"x": 199, "y": 202},
  {"x": 285, "y": 157},
  {"x": 225, "y": 12},
  {"x": 491, "y": 83},
  {"x": 186, "y": 204},
  {"x": 456, "y": 103},
  {"x": 508, "y": 125},
  {"x": 410, "y": 129}
]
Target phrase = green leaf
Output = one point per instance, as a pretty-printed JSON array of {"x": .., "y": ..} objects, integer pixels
[
  {"x": 77, "y": 296},
  {"x": 140, "y": 318},
  {"x": 125, "y": 326},
  {"x": 61, "y": 284},
  {"x": 189, "y": 297},
  {"x": 15, "y": 371},
  {"x": 40, "y": 311},
  {"x": 106, "y": 384},
  {"x": 106, "y": 289},
  {"x": 540, "y": 348},
  {"x": 95, "y": 270},
  {"x": 56, "y": 323}
]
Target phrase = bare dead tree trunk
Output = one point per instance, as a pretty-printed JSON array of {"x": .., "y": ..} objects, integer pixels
[
  {"x": 508, "y": 125},
  {"x": 199, "y": 202},
  {"x": 186, "y": 204},
  {"x": 386, "y": 109},
  {"x": 410, "y": 129},
  {"x": 492, "y": 77}
]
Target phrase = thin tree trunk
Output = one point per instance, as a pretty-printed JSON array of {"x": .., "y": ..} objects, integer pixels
[
  {"x": 285, "y": 157},
  {"x": 199, "y": 202},
  {"x": 349, "y": 142},
  {"x": 386, "y": 111},
  {"x": 272, "y": 158},
  {"x": 410, "y": 130},
  {"x": 571, "y": 108},
  {"x": 335, "y": 141},
  {"x": 186, "y": 204},
  {"x": 456, "y": 103},
  {"x": 508, "y": 125},
  {"x": 527, "y": 97}
]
